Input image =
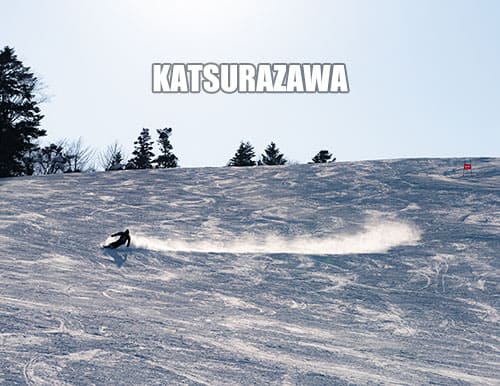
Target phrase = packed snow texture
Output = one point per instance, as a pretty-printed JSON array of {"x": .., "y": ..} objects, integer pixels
[{"x": 381, "y": 272}]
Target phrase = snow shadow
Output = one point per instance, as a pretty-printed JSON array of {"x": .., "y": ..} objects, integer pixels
[{"x": 118, "y": 259}]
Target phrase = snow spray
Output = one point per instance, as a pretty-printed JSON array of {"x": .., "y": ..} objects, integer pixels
[{"x": 373, "y": 237}]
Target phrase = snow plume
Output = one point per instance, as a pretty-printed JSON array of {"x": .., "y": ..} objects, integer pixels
[{"x": 374, "y": 237}]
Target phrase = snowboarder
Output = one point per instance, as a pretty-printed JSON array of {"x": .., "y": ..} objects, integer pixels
[{"x": 124, "y": 238}]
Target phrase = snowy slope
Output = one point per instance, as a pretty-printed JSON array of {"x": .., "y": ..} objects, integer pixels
[{"x": 381, "y": 272}]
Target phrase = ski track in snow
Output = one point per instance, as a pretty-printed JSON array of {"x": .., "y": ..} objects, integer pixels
[{"x": 382, "y": 272}]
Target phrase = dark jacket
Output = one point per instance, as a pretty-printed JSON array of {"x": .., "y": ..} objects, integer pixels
[{"x": 124, "y": 238}]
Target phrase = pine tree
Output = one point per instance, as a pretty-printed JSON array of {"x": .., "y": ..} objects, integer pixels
[
  {"x": 142, "y": 153},
  {"x": 19, "y": 115},
  {"x": 52, "y": 159},
  {"x": 322, "y": 157},
  {"x": 116, "y": 161},
  {"x": 243, "y": 156},
  {"x": 273, "y": 155},
  {"x": 166, "y": 159},
  {"x": 30, "y": 161}
]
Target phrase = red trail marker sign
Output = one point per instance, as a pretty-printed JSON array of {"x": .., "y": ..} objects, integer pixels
[{"x": 467, "y": 166}]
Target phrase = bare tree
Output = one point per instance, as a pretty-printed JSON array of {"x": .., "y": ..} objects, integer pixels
[
  {"x": 79, "y": 156},
  {"x": 112, "y": 157}
]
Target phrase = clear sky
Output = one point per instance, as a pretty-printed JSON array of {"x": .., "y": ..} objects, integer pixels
[{"x": 424, "y": 75}]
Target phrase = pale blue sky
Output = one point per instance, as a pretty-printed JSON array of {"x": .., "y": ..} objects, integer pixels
[{"x": 424, "y": 75}]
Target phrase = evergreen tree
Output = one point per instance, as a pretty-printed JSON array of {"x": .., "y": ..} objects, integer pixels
[
  {"x": 273, "y": 155},
  {"x": 243, "y": 156},
  {"x": 116, "y": 161},
  {"x": 52, "y": 159},
  {"x": 19, "y": 115},
  {"x": 142, "y": 153},
  {"x": 166, "y": 159},
  {"x": 322, "y": 157},
  {"x": 30, "y": 161}
]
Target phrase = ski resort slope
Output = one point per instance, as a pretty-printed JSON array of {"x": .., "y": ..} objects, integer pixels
[{"x": 383, "y": 272}]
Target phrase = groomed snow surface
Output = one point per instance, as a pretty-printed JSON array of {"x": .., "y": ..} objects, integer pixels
[{"x": 381, "y": 272}]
